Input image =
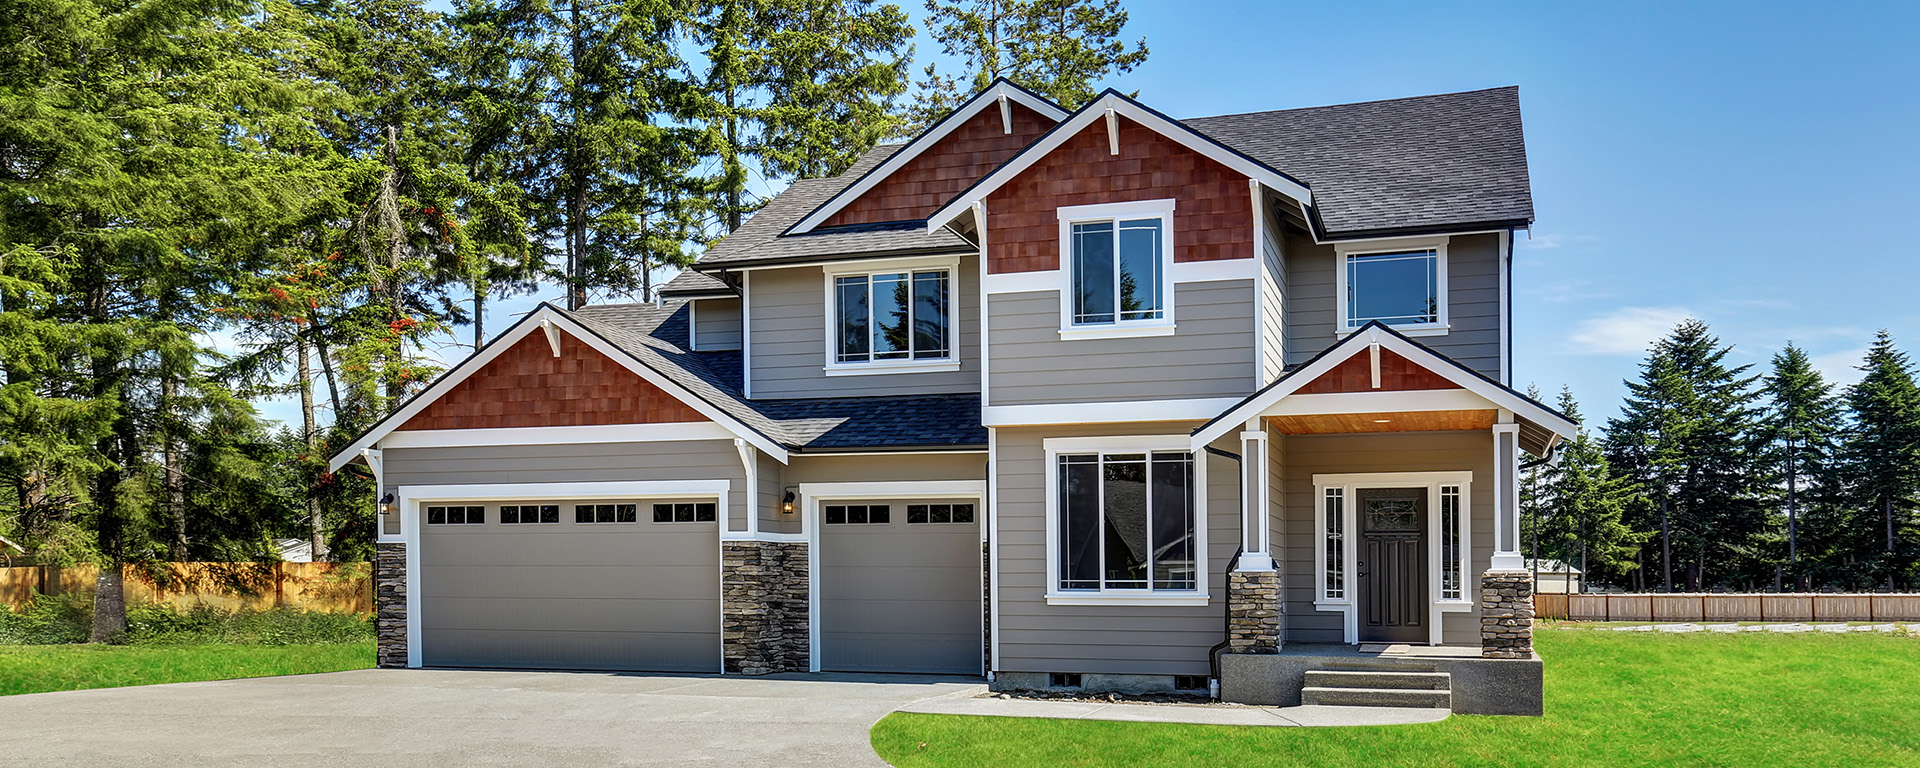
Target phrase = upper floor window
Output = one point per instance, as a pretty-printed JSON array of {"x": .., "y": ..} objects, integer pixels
[
  {"x": 1117, "y": 259},
  {"x": 892, "y": 317},
  {"x": 1405, "y": 287}
]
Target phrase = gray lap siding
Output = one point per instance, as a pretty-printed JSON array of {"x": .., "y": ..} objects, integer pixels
[
  {"x": 1473, "y": 302},
  {"x": 1119, "y": 639},
  {"x": 1210, "y": 354}
]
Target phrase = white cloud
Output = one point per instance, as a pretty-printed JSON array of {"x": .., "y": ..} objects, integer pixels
[
  {"x": 1626, "y": 331},
  {"x": 1839, "y": 367}
]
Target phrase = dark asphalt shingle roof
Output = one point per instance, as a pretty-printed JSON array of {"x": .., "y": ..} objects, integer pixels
[
  {"x": 1420, "y": 163},
  {"x": 656, "y": 335},
  {"x": 691, "y": 283},
  {"x": 759, "y": 241}
]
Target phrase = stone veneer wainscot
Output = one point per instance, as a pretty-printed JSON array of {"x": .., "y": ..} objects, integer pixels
[
  {"x": 764, "y": 604},
  {"x": 1506, "y": 615},
  {"x": 390, "y": 603}
]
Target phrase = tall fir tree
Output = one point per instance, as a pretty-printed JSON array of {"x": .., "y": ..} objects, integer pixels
[
  {"x": 1802, "y": 421},
  {"x": 1587, "y": 505},
  {"x": 1879, "y": 460},
  {"x": 1685, "y": 434},
  {"x": 1060, "y": 49}
]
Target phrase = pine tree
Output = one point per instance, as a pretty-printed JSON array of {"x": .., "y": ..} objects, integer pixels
[
  {"x": 1685, "y": 433},
  {"x": 1879, "y": 461},
  {"x": 1060, "y": 49},
  {"x": 1801, "y": 424},
  {"x": 1587, "y": 506}
]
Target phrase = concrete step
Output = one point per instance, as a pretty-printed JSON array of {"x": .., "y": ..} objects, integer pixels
[
  {"x": 1350, "y": 678},
  {"x": 1376, "y": 697}
]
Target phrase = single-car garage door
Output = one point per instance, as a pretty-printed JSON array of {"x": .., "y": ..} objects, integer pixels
[
  {"x": 900, "y": 587},
  {"x": 566, "y": 584}
]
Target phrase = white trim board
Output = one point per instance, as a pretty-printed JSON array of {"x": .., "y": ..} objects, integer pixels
[
  {"x": 1491, "y": 394},
  {"x": 1047, "y": 414},
  {"x": 609, "y": 433},
  {"x": 541, "y": 319},
  {"x": 995, "y": 95},
  {"x": 1119, "y": 105}
]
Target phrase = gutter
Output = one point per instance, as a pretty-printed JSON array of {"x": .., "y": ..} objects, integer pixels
[{"x": 1226, "y": 614}]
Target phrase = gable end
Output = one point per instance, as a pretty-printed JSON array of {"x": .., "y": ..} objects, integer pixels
[
  {"x": 933, "y": 177},
  {"x": 526, "y": 386}
]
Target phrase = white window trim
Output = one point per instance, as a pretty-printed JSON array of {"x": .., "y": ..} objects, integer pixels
[
  {"x": 1137, "y": 209},
  {"x": 833, "y": 272},
  {"x": 1343, "y": 324},
  {"x": 1349, "y": 606},
  {"x": 1054, "y": 447}
]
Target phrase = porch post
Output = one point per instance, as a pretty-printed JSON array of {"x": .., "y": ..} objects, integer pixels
[
  {"x": 1506, "y": 497},
  {"x": 1253, "y": 588}
]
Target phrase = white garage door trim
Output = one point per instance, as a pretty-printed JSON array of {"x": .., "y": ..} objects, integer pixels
[
  {"x": 411, "y": 501},
  {"x": 810, "y": 496}
]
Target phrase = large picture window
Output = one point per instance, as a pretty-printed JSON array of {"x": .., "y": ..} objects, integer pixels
[
  {"x": 1402, "y": 284},
  {"x": 1126, "y": 521},
  {"x": 892, "y": 317}
]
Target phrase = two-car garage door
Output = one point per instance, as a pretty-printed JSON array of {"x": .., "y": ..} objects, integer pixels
[{"x": 571, "y": 584}]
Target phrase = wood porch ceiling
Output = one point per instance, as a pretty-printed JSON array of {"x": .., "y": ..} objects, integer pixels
[{"x": 1399, "y": 421}]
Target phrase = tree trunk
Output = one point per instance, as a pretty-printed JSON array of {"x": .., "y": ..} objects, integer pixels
[
  {"x": 109, "y": 607},
  {"x": 1793, "y": 510},
  {"x": 326, "y": 369},
  {"x": 174, "y": 469},
  {"x": 396, "y": 251},
  {"x": 479, "y": 316},
  {"x": 576, "y": 172},
  {"x": 1666, "y": 546},
  {"x": 310, "y": 434}
]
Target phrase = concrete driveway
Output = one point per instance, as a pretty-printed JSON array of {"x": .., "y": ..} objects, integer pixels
[{"x": 463, "y": 718}]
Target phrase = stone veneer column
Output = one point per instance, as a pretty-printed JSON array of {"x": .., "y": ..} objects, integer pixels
[
  {"x": 390, "y": 603},
  {"x": 1506, "y": 615},
  {"x": 764, "y": 601},
  {"x": 1253, "y": 612}
]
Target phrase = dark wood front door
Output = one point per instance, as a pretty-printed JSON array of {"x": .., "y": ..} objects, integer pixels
[{"x": 1393, "y": 565}]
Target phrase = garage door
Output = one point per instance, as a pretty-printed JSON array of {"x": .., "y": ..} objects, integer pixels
[
  {"x": 568, "y": 584},
  {"x": 900, "y": 587}
]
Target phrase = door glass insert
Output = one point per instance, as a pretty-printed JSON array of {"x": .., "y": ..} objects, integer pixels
[{"x": 1392, "y": 514}]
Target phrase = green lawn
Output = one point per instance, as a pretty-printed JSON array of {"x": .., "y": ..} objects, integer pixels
[
  {"x": 1613, "y": 698},
  {"x": 40, "y": 668}
]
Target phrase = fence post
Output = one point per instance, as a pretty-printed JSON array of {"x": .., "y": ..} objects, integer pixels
[{"x": 279, "y": 588}]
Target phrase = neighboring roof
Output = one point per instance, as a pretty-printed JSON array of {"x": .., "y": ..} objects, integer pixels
[
  {"x": 759, "y": 242},
  {"x": 1540, "y": 425},
  {"x": 1426, "y": 163},
  {"x": 998, "y": 94},
  {"x": 1548, "y": 565},
  {"x": 656, "y": 334},
  {"x": 690, "y": 284}
]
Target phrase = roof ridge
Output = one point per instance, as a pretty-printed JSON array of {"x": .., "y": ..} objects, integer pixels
[{"x": 1355, "y": 103}]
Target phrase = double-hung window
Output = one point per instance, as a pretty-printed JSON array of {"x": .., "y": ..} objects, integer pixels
[
  {"x": 1117, "y": 258},
  {"x": 1404, "y": 286},
  {"x": 892, "y": 318},
  {"x": 1126, "y": 521}
]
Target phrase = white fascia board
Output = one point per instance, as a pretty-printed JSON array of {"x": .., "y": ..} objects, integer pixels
[
  {"x": 987, "y": 99},
  {"x": 1487, "y": 393},
  {"x": 1103, "y": 413},
  {"x": 608, "y": 433},
  {"x": 538, "y": 321},
  {"x": 1124, "y": 107}
]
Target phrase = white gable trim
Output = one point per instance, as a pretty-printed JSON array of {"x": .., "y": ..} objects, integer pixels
[
  {"x": 1366, "y": 339},
  {"x": 540, "y": 320},
  {"x": 998, "y": 94},
  {"x": 1114, "y": 103}
]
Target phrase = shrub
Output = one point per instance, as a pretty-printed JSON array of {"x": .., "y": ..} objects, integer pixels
[
  {"x": 55, "y": 619},
  {"x": 48, "y": 620}
]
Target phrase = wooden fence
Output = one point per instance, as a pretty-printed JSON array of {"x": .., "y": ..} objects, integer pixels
[
  {"x": 332, "y": 587},
  {"x": 1723, "y": 607}
]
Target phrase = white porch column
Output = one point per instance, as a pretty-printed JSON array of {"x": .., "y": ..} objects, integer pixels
[
  {"x": 1506, "y": 497},
  {"x": 1255, "y": 554}
]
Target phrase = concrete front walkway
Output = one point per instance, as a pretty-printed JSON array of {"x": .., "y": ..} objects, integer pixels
[
  {"x": 1174, "y": 713},
  {"x": 465, "y": 718}
]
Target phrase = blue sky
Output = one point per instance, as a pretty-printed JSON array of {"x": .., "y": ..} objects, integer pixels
[{"x": 1752, "y": 165}]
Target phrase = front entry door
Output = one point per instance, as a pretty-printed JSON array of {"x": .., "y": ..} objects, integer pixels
[{"x": 1393, "y": 565}]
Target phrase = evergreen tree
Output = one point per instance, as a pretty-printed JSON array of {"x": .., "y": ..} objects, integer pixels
[
  {"x": 1060, "y": 49},
  {"x": 1879, "y": 462},
  {"x": 1588, "y": 503},
  {"x": 1801, "y": 425},
  {"x": 1685, "y": 433}
]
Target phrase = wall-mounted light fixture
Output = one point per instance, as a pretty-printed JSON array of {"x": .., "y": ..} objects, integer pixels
[
  {"x": 386, "y": 504},
  {"x": 786, "y": 502}
]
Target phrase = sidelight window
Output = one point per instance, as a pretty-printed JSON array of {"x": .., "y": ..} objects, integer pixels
[
  {"x": 1126, "y": 522},
  {"x": 1333, "y": 545},
  {"x": 1453, "y": 565}
]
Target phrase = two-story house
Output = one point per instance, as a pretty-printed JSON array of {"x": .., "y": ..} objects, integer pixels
[{"x": 1097, "y": 399}]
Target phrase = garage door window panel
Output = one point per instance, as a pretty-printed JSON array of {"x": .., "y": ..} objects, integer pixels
[
  {"x": 529, "y": 514},
  {"x": 934, "y": 514},
  {"x": 606, "y": 513},
  {"x": 456, "y": 515},
  {"x": 858, "y": 514},
  {"x": 684, "y": 512}
]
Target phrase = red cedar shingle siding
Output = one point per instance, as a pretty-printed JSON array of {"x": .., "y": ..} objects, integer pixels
[
  {"x": 929, "y": 180},
  {"x": 1212, "y": 216},
  {"x": 1356, "y": 375},
  {"x": 526, "y": 386}
]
